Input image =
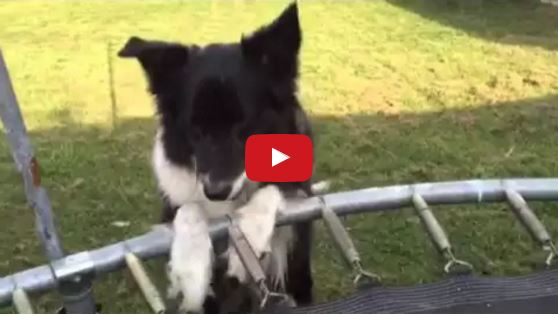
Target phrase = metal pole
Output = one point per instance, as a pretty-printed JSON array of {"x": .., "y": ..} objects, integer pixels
[
  {"x": 156, "y": 243},
  {"x": 76, "y": 293}
]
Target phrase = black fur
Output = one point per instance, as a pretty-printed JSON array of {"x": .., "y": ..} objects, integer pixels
[{"x": 210, "y": 99}]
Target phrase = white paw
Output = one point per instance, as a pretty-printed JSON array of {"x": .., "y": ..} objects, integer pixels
[
  {"x": 236, "y": 269},
  {"x": 190, "y": 266},
  {"x": 173, "y": 289},
  {"x": 267, "y": 197},
  {"x": 321, "y": 187},
  {"x": 257, "y": 221}
]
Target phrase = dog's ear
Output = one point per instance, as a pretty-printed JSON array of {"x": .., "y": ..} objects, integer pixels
[
  {"x": 276, "y": 45},
  {"x": 161, "y": 61}
]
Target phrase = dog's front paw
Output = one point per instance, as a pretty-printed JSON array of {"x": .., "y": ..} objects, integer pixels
[
  {"x": 256, "y": 220},
  {"x": 191, "y": 256},
  {"x": 269, "y": 196},
  {"x": 236, "y": 269}
]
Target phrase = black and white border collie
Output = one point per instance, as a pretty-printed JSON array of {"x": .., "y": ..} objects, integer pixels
[{"x": 209, "y": 100}]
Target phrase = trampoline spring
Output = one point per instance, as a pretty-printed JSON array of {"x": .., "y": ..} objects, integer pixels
[
  {"x": 552, "y": 253},
  {"x": 150, "y": 292},
  {"x": 453, "y": 262},
  {"x": 437, "y": 234},
  {"x": 532, "y": 223},
  {"x": 345, "y": 245},
  {"x": 252, "y": 264},
  {"x": 21, "y": 302}
]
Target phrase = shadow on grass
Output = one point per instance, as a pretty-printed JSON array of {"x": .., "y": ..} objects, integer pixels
[
  {"x": 516, "y": 22},
  {"x": 96, "y": 177}
]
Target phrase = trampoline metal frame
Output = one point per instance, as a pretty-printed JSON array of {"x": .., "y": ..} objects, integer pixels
[{"x": 72, "y": 274}]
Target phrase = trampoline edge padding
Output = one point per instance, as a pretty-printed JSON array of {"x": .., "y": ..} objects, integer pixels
[{"x": 531, "y": 294}]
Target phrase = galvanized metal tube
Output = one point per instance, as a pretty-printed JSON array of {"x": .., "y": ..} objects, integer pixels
[
  {"x": 26, "y": 163},
  {"x": 12, "y": 119},
  {"x": 156, "y": 243},
  {"x": 75, "y": 293},
  {"x": 395, "y": 197}
]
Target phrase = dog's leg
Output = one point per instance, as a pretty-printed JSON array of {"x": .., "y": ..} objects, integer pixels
[
  {"x": 299, "y": 268},
  {"x": 190, "y": 265},
  {"x": 299, "y": 271},
  {"x": 257, "y": 221}
]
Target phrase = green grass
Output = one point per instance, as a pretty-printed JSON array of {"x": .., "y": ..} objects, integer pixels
[{"x": 399, "y": 91}]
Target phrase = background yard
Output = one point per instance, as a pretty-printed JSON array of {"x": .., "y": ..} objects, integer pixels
[{"x": 399, "y": 92}]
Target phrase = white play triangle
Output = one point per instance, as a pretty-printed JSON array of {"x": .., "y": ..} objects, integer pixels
[{"x": 277, "y": 157}]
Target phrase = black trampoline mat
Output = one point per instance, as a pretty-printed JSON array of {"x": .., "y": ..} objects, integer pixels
[
  {"x": 532, "y": 294},
  {"x": 543, "y": 305}
]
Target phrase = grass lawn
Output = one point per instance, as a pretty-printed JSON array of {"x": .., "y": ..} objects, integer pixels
[{"x": 399, "y": 92}]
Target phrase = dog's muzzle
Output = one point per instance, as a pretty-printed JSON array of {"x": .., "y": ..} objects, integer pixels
[{"x": 217, "y": 191}]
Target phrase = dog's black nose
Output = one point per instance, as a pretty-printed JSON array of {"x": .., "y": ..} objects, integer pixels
[{"x": 217, "y": 192}]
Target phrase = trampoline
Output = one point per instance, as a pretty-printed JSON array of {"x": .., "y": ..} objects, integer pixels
[
  {"x": 461, "y": 292},
  {"x": 535, "y": 293}
]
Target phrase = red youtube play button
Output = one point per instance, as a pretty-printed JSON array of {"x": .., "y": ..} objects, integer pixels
[{"x": 279, "y": 158}]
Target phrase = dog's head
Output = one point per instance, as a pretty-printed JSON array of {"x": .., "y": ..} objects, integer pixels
[{"x": 212, "y": 98}]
